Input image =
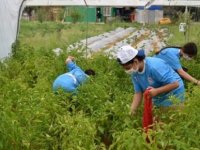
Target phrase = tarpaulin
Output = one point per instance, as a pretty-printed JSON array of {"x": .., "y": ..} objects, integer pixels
[{"x": 9, "y": 14}]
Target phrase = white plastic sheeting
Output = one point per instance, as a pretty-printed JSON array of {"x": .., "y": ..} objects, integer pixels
[
  {"x": 9, "y": 10},
  {"x": 116, "y": 3},
  {"x": 103, "y": 41},
  {"x": 110, "y": 42},
  {"x": 109, "y": 39},
  {"x": 194, "y": 3},
  {"x": 142, "y": 39},
  {"x": 55, "y": 3},
  {"x": 152, "y": 43}
]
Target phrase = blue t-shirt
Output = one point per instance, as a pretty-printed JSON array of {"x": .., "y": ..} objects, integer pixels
[
  {"x": 70, "y": 80},
  {"x": 171, "y": 56},
  {"x": 157, "y": 74}
]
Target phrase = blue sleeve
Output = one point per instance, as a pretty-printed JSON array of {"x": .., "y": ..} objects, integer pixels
[
  {"x": 71, "y": 66},
  {"x": 163, "y": 75}
]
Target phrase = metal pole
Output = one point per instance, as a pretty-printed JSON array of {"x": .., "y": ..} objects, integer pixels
[
  {"x": 187, "y": 23},
  {"x": 18, "y": 20},
  {"x": 87, "y": 28},
  {"x": 144, "y": 16}
]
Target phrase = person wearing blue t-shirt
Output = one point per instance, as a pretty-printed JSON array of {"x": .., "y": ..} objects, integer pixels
[
  {"x": 150, "y": 72},
  {"x": 172, "y": 56},
  {"x": 71, "y": 80}
]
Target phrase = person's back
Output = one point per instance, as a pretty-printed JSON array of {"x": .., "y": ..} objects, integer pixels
[
  {"x": 153, "y": 75},
  {"x": 157, "y": 74},
  {"x": 171, "y": 55},
  {"x": 71, "y": 80}
]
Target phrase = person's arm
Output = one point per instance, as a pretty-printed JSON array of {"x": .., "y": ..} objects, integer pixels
[
  {"x": 69, "y": 59},
  {"x": 163, "y": 89},
  {"x": 187, "y": 77},
  {"x": 70, "y": 63},
  {"x": 166, "y": 77},
  {"x": 137, "y": 98}
]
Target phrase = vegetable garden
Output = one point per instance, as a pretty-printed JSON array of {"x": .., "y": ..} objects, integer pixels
[{"x": 34, "y": 117}]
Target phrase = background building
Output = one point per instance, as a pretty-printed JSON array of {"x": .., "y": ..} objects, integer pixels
[{"x": 151, "y": 15}]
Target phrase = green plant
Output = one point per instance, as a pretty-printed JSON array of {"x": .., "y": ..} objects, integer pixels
[
  {"x": 75, "y": 15},
  {"x": 34, "y": 117},
  {"x": 41, "y": 13}
]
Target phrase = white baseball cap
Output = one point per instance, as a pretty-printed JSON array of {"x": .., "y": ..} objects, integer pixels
[{"x": 126, "y": 53}]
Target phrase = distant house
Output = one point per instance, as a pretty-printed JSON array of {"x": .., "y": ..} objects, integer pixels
[
  {"x": 125, "y": 13},
  {"x": 90, "y": 14},
  {"x": 104, "y": 14}
]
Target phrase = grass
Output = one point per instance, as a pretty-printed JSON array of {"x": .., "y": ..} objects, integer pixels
[
  {"x": 178, "y": 38},
  {"x": 51, "y": 35}
]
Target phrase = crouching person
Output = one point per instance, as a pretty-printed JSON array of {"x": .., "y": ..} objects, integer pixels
[
  {"x": 151, "y": 72},
  {"x": 71, "y": 80}
]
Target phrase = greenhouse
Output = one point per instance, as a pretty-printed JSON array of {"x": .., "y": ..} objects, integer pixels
[{"x": 99, "y": 74}]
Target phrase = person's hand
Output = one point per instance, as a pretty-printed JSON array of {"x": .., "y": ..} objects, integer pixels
[
  {"x": 132, "y": 110},
  {"x": 132, "y": 113},
  {"x": 69, "y": 58},
  {"x": 198, "y": 82},
  {"x": 153, "y": 92}
]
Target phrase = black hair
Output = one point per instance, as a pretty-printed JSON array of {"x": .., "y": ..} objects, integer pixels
[
  {"x": 190, "y": 49},
  {"x": 140, "y": 58},
  {"x": 90, "y": 72}
]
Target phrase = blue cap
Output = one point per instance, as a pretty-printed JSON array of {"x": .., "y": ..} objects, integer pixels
[{"x": 141, "y": 53}]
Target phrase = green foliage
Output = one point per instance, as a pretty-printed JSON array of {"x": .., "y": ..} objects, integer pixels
[
  {"x": 50, "y": 35},
  {"x": 49, "y": 14},
  {"x": 184, "y": 17},
  {"x": 34, "y": 117},
  {"x": 61, "y": 13},
  {"x": 75, "y": 15},
  {"x": 41, "y": 14}
]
